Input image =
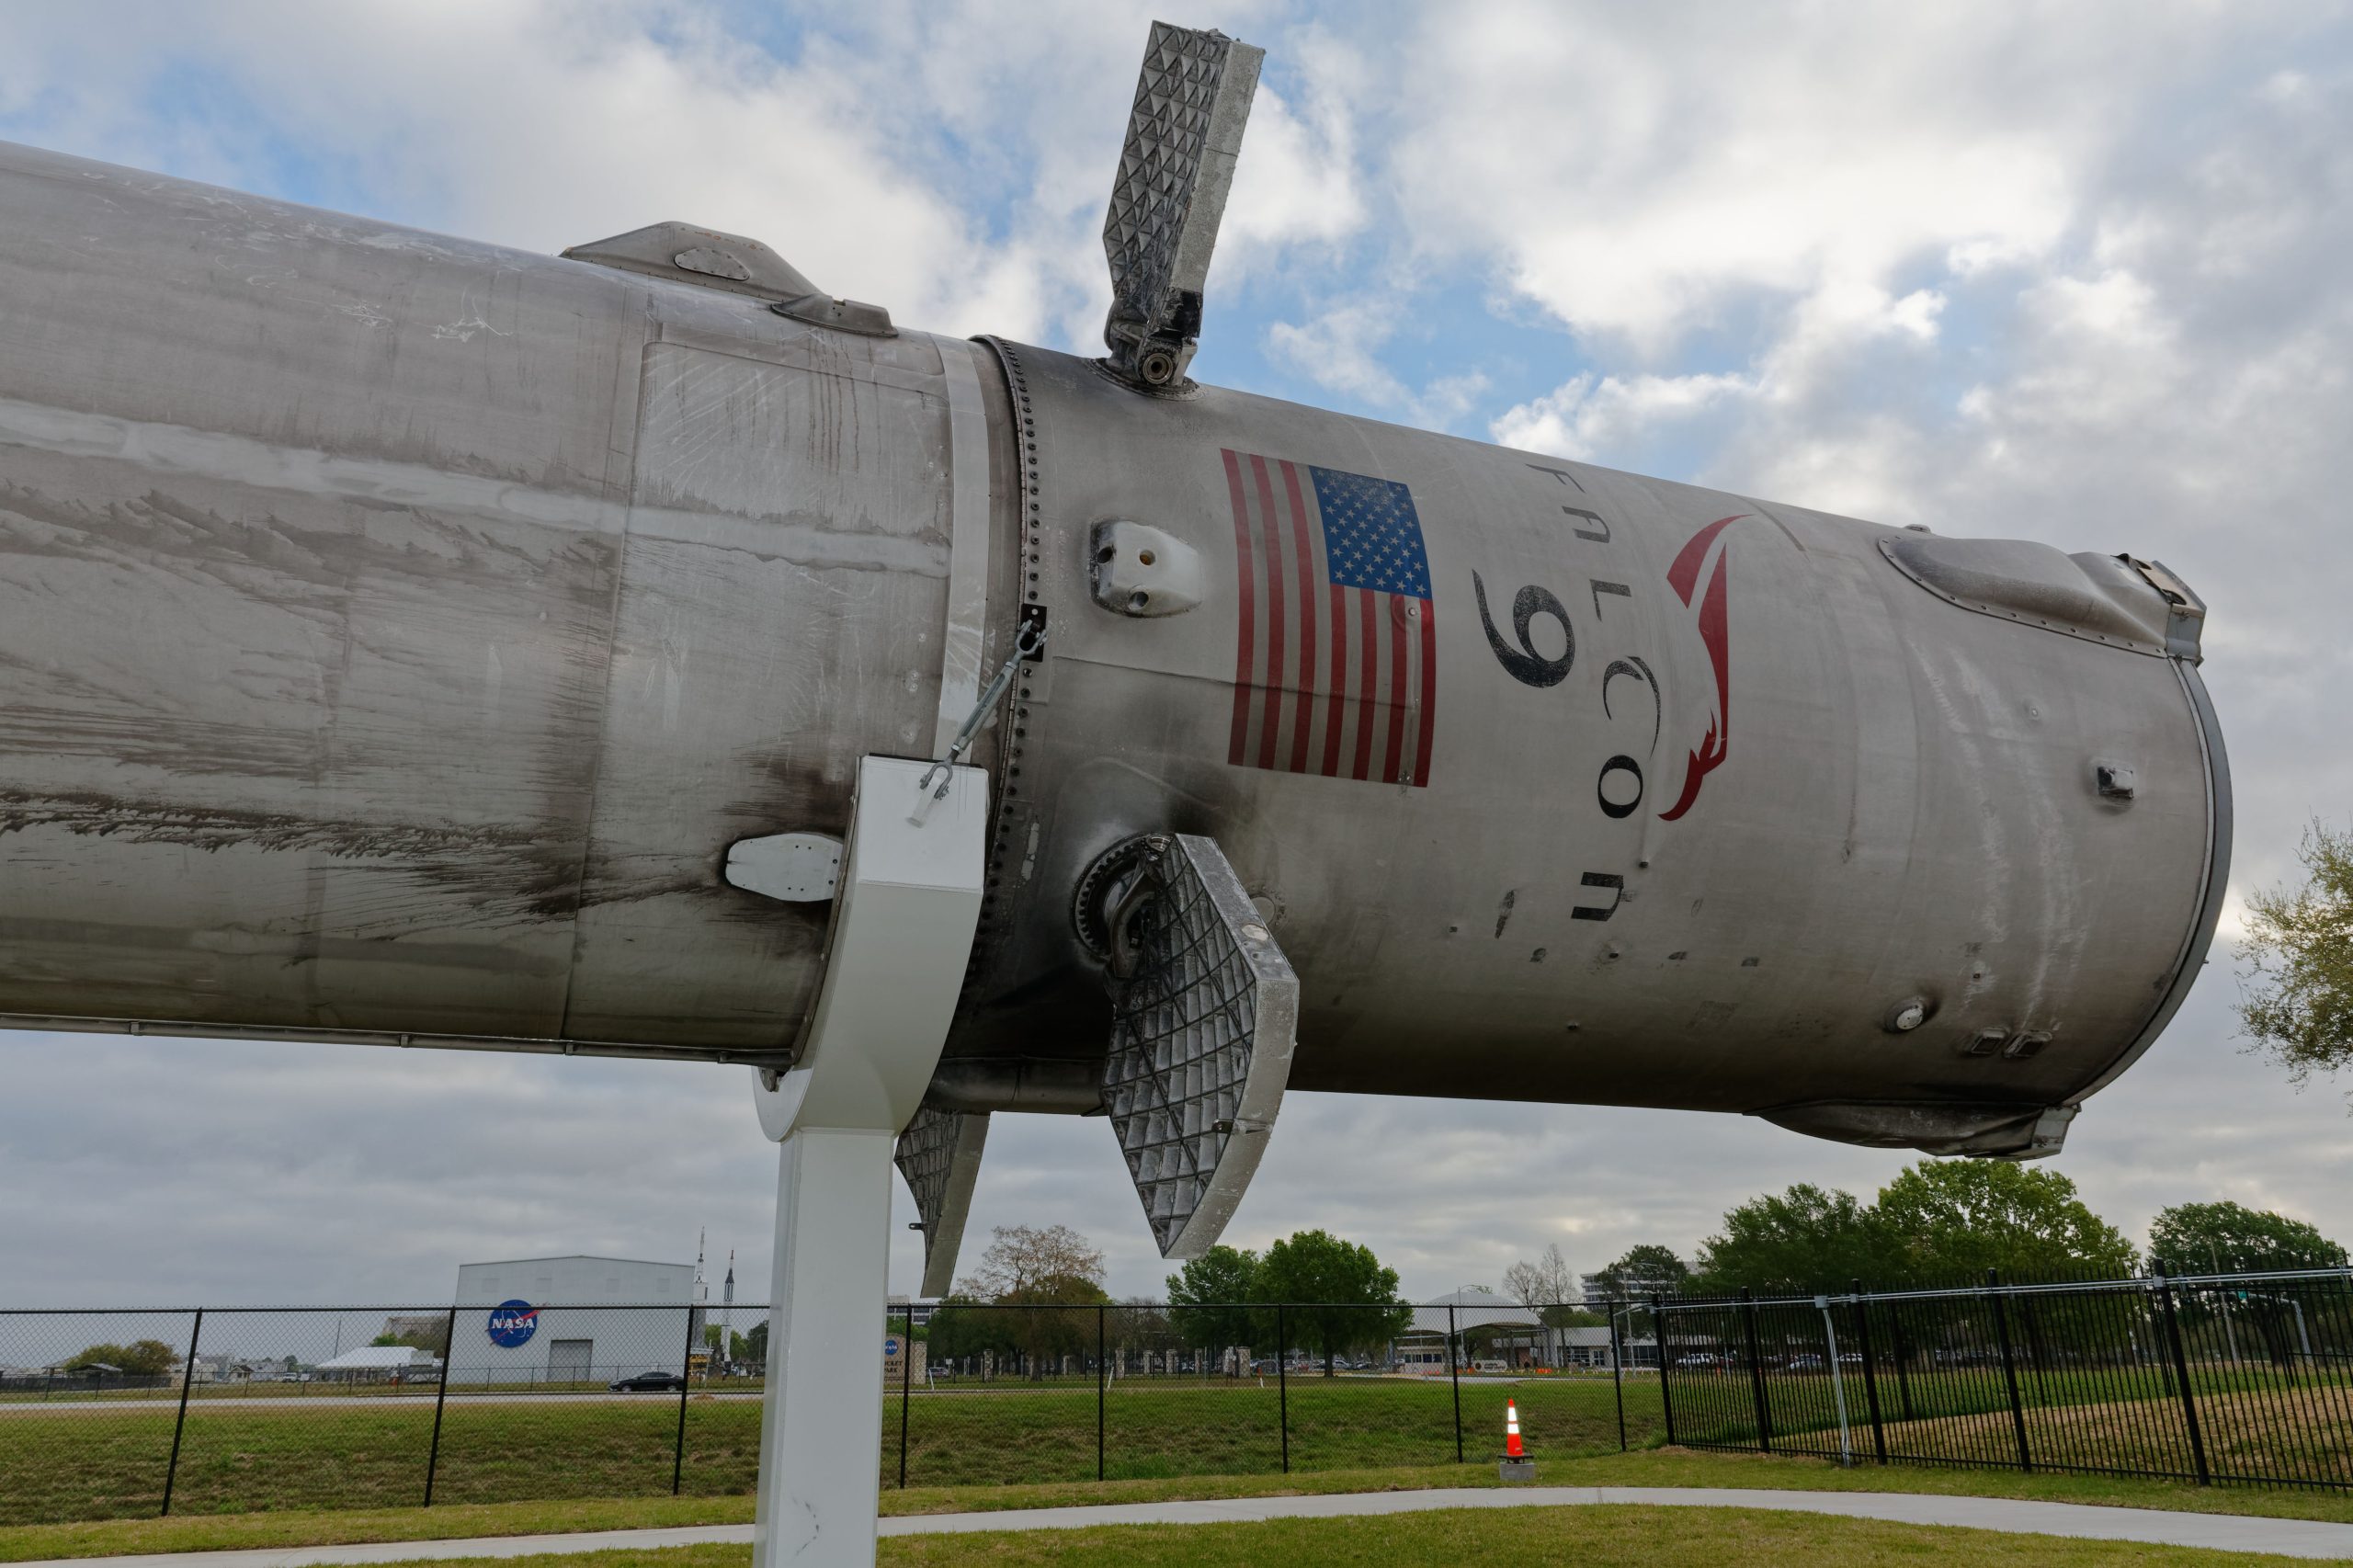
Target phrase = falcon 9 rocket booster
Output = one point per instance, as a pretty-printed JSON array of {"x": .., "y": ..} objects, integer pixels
[{"x": 415, "y": 642}]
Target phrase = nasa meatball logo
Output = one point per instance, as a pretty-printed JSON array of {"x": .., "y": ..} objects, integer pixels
[{"x": 513, "y": 1323}]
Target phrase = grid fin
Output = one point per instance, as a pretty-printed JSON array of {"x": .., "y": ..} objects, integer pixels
[
  {"x": 940, "y": 1154},
  {"x": 1202, "y": 1031},
  {"x": 1176, "y": 168}
]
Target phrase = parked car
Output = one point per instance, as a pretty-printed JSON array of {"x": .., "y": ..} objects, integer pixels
[
  {"x": 649, "y": 1382},
  {"x": 1806, "y": 1361}
]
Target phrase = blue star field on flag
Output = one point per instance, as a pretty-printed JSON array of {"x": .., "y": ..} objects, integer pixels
[{"x": 1372, "y": 536}]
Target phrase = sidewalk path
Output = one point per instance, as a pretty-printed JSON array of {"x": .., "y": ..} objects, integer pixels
[{"x": 2220, "y": 1532}]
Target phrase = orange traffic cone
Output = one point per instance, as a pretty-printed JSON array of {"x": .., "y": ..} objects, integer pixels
[{"x": 1512, "y": 1449}]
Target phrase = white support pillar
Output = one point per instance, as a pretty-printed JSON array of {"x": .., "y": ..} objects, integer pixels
[
  {"x": 904, "y": 913},
  {"x": 821, "y": 1428}
]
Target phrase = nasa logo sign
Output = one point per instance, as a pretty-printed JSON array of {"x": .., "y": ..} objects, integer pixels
[
  {"x": 889, "y": 1347},
  {"x": 513, "y": 1323}
]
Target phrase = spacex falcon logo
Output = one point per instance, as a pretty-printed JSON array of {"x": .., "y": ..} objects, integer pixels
[{"x": 1704, "y": 555}]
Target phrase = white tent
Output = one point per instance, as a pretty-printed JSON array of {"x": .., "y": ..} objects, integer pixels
[{"x": 382, "y": 1359}]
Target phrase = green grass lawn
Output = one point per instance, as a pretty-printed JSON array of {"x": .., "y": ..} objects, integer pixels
[
  {"x": 1657, "y": 1468},
  {"x": 60, "y": 1465},
  {"x": 1587, "y": 1537},
  {"x": 239, "y": 1458}
]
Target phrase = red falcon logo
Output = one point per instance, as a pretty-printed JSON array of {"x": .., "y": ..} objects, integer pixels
[{"x": 1702, "y": 553}]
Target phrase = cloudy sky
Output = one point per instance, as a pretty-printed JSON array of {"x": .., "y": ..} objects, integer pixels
[{"x": 2071, "y": 272}]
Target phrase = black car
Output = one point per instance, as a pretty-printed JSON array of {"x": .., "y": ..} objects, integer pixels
[{"x": 649, "y": 1382}]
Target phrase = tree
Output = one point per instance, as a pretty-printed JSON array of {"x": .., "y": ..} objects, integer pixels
[
  {"x": 756, "y": 1345},
  {"x": 1806, "y": 1237},
  {"x": 1023, "y": 1257},
  {"x": 2296, "y": 999},
  {"x": 1644, "y": 1272},
  {"x": 1549, "y": 1288},
  {"x": 1039, "y": 1268},
  {"x": 1333, "y": 1283},
  {"x": 1950, "y": 1221},
  {"x": 430, "y": 1335},
  {"x": 1208, "y": 1297},
  {"x": 140, "y": 1357},
  {"x": 2231, "y": 1238},
  {"x": 958, "y": 1332},
  {"x": 1547, "y": 1282}
]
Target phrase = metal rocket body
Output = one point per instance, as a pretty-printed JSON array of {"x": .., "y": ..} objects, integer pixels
[{"x": 415, "y": 642}]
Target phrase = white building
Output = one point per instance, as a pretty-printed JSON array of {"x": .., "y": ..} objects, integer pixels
[{"x": 573, "y": 1320}]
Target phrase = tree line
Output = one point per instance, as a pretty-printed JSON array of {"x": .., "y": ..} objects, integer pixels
[
  {"x": 1945, "y": 1223},
  {"x": 1226, "y": 1297}
]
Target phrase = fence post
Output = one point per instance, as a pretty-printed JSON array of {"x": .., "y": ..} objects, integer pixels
[
  {"x": 686, "y": 1366},
  {"x": 1665, "y": 1361},
  {"x": 1098, "y": 1390},
  {"x": 1870, "y": 1376},
  {"x": 2181, "y": 1374},
  {"x": 187, "y": 1375},
  {"x": 440, "y": 1397},
  {"x": 2009, "y": 1364},
  {"x": 1755, "y": 1372},
  {"x": 1454, "y": 1372},
  {"x": 1902, "y": 1356},
  {"x": 1618, "y": 1370},
  {"x": 906, "y": 1386},
  {"x": 1282, "y": 1383}
]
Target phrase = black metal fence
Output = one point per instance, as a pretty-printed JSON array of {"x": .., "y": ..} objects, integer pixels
[
  {"x": 2212, "y": 1378},
  {"x": 118, "y": 1414},
  {"x": 2243, "y": 1377}
]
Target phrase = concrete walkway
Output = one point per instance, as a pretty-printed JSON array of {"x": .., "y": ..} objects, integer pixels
[{"x": 2220, "y": 1532}]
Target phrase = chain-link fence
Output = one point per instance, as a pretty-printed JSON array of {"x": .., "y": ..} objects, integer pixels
[
  {"x": 2240, "y": 1378},
  {"x": 118, "y": 1414}
]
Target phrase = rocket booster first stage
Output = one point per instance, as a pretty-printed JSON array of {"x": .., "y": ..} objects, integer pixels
[{"x": 410, "y": 641}]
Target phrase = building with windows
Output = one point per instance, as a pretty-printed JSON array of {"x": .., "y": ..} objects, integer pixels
[{"x": 573, "y": 1320}]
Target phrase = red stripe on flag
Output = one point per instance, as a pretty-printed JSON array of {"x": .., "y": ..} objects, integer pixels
[
  {"x": 1304, "y": 703},
  {"x": 1429, "y": 694},
  {"x": 1335, "y": 708},
  {"x": 1244, "y": 598},
  {"x": 1395, "y": 771},
  {"x": 1271, "y": 718},
  {"x": 1368, "y": 683}
]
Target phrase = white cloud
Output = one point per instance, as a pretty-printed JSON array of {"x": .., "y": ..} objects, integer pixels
[
  {"x": 1638, "y": 171},
  {"x": 1339, "y": 349}
]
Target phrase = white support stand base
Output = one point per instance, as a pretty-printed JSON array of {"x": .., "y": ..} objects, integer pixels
[
  {"x": 821, "y": 1424},
  {"x": 904, "y": 918}
]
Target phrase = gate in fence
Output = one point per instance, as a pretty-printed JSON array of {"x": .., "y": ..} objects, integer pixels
[{"x": 2205, "y": 1377}]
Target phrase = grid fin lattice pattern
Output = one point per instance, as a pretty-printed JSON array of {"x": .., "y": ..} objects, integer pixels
[
  {"x": 1176, "y": 166},
  {"x": 1202, "y": 1033},
  {"x": 940, "y": 1154}
]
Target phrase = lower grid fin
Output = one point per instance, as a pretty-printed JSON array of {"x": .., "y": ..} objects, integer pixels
[
  {"x": 939, "y": 1155},
  {"x": 1205, "y": 1014}
]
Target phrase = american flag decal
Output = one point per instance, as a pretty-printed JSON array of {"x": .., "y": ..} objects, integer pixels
[{"x": 1335, "y": 654}]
